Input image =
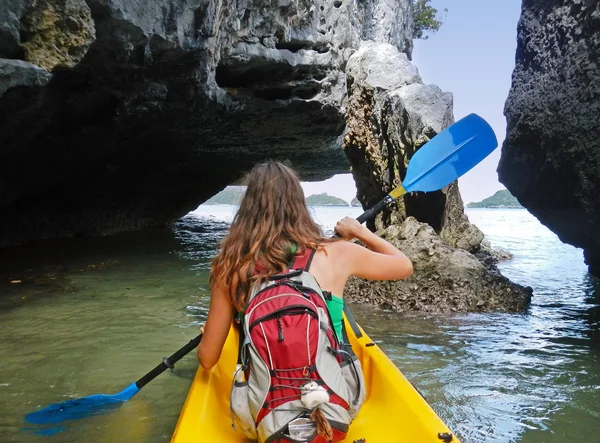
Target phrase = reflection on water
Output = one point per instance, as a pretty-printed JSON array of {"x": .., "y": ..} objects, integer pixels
[{"x": 93, "y": 315}]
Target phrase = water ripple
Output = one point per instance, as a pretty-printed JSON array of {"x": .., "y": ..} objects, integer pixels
[{"x": 93, "y": 314}]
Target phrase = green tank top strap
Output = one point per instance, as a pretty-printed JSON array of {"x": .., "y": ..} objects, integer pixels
[{"x": 335, "y": 306}]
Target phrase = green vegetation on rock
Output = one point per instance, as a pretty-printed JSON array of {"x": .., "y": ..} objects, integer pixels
[
  {"x": 501, "y": 199},
  {"x": 325, "y": 200},
  {"x": 425, "y": 19},
  {"x": 231, "y": 195}
]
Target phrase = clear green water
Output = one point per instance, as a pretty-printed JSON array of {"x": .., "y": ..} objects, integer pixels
[{"x": 94, "y": 315}]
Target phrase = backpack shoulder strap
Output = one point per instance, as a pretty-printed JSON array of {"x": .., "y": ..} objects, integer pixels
[{"x": 303, "y": 261}]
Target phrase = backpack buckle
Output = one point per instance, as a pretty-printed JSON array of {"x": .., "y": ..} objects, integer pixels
[{"x": 293, "y": 273}]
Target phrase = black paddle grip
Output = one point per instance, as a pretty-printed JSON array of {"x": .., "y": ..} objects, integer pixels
[
  {"x": 372, "y": 212},
  {"x": 168, "y": 362}
]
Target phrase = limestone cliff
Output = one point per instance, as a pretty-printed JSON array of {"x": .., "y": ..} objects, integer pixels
[
  {"x": 551, "y": 155},
  {"x": 391, "y": 114},
  {"x": 118, "y": 114}
]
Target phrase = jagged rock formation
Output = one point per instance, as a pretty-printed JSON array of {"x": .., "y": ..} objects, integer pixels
[
  {"x": 116, "y": 114},
  {"x": 551, "y": 155},
  {"x": 391, "y": 114},
  {"x": 445, "y": 279}
]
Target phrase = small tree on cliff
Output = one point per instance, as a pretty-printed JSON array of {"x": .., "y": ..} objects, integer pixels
[{"x": 425, "y": 18}]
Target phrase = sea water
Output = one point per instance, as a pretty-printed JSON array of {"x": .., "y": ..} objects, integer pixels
[{"x": 88, "y": 316}]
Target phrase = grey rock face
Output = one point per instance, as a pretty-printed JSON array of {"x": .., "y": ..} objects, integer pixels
[
  {"x": 387, "y": 21},
  {"x": 146, "y": 109},
  {"x": 445, "y": 279},
  {"x": 10, "y": 23},
  {"x": 551, "y": 156},
  {"x": 381, "y": 65},
  {"x": 15, "y": 73},
  {"x": 391, "y": 114},
  {"x": 457, "y": 231}
]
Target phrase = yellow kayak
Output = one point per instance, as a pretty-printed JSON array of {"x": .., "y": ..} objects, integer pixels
[{"x": 393, "y": 411}]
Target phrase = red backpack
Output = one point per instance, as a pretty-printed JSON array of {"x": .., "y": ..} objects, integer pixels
[{"x": 294, "y": 374}]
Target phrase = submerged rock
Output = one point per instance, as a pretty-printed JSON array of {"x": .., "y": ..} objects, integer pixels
[
  {"x": 445, "y": 279},
  {"x": 551, "y": 156}
]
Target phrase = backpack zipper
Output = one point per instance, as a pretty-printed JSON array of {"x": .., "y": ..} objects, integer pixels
[
  {"x": 296, "y": 310},
  {"x": 280, "y": 328}
]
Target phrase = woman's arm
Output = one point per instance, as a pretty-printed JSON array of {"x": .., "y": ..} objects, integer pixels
[
  {"x": 220, "y": 315},
  {"x": 380, "y": 260}
]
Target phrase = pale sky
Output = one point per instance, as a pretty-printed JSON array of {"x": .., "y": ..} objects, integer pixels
[{"x": 472, "y": 56}]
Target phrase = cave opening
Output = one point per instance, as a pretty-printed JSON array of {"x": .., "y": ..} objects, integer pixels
[{"x": 427, "y": 208}]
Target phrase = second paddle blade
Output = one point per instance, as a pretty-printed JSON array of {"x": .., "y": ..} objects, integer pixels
[{"x": 79, "y": 408}]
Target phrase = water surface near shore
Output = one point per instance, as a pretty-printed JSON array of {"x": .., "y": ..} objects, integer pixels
[{"x": 93, "y": 315}]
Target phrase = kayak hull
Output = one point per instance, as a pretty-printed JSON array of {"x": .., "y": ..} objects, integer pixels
[{"x": 393, "y": 411}]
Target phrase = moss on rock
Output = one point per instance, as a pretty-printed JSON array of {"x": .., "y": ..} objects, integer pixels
[{"x": 57, "y": 33}]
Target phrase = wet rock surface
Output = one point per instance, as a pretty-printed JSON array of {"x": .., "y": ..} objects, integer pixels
[{"x": 551, "y": 156}]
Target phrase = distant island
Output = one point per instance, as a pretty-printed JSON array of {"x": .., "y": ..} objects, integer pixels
[
  {"x": 325, "y": 200},
  {"x": 501, "y": 199},
  {"x": 355, "y": 203},
  {"x": 231, "y": 195}
]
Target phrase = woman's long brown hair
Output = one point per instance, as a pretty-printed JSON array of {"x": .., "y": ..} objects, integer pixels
[{"x": 272, "y": 216}]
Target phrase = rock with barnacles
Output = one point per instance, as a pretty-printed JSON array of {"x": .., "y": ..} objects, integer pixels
[{"x": 445, "y": 279}]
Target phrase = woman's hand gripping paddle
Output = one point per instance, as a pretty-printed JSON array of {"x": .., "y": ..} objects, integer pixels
[
  {"x": 443, "y": 159},
  {"x": 99, "y": 403}
]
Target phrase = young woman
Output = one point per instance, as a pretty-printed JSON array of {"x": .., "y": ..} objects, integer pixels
[{"x": 272, "y": 224}]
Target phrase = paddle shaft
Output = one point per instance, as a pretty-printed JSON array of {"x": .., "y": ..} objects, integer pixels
[
  {"x": 372, "y": 212},
  {"x": 443, "y": 159},
  {"x": 168, "y": 362}
]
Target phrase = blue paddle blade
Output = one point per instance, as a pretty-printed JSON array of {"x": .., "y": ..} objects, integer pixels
[
  {"x": 450, "y": 154},
  {"x": 81, "y": 407}
]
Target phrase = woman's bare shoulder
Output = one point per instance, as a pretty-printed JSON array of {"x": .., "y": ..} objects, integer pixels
[
  {"x": 341, "y": 248},
  {"x": 362, "y": 262}
]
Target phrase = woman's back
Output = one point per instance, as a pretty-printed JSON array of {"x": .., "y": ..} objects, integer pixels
[{"x": 272, "y": 224}]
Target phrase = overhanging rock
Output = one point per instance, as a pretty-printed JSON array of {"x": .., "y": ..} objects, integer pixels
[{"x": 116, "y": 115}]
